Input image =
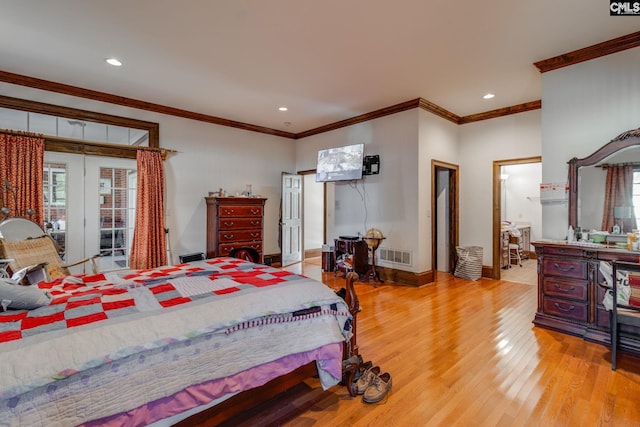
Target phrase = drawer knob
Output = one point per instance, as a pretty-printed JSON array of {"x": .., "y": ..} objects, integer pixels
[
  {"x": 228, "y": 236},
  {"x": 228, "y": 211},
  {"x": 565, "y": 269},
  {"x": 255, "y": 222},
  {"x": 255, "y": 211},
  {"x": 228, "y": 223},
  {"x": 566, "y": 310},
  {"x": 254, "y": 235},
  {"x": 561, "y": 289}
]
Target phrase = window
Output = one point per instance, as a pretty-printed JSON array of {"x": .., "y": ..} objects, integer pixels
[
  {"x": 117, "y": 190},
  {"x": 55, "y": 201},
  {"x": 636, "y": 195}
]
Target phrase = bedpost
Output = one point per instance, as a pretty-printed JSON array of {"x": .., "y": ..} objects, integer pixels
[
  {"x": 351, "y": 348},
  {"x": 351, "y": 299}
]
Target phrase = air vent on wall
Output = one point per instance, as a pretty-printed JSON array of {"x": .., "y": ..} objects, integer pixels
[{"x": 394, "y": 256}]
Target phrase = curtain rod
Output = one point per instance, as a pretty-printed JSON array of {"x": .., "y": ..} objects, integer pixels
[
  {"x": 609, "y": 165},
  {"x": 21, "y": 133},
  {"x": 164, "y": 151}
]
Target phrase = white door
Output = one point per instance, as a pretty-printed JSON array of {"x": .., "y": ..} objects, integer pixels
[
  {"x": 110, "y": 197},
  {"x": 94, "y": 211},
  {"x": 291, "y": 232},
  {"x": 64, "y": 203}
]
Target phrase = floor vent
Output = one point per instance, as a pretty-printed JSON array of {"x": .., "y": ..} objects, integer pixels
[{"x": 394, "y": 256}]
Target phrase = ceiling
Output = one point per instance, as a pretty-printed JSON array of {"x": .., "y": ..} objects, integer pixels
[{"x": 325, "y": 60}]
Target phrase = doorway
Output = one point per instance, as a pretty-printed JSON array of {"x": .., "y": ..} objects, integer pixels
[
  {"x": 523, "y": 180},
  {"x": 444, "y": 221},
  {"x": 314, "y": 215},
  {"x": 93, "y": 210}
]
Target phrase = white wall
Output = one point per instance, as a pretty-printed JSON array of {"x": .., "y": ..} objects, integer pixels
[
  {"x": 209, "y": 157},
  {"x": 481, "y": 143},
  {"x": 438, "y": 140},
  {"x": 387, "y": 201},
  {"x": 585, "y": 106}
]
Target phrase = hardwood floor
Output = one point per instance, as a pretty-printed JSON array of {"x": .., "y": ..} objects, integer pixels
[{"x": 465, "y": 353}]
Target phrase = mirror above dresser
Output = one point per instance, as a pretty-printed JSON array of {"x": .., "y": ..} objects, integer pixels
[{"x": 587, "y": 178}]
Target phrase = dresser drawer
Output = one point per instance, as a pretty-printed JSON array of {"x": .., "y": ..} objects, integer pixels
[
  {"x": 239, "y": 235},
  {"x": 238, "y": 211},
  {"x": 239, "y": 223},
  {"x": 566, "y": 309},
  {"x": 570, "y": 268},
  {"x": 574, "y": 289},
  {"x": 224, "y": 249}
]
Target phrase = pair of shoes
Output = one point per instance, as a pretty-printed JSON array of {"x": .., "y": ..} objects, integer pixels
[
  {"x": 378, "y": 389},
  {"x": 362, "y": 368},
  {"x": 366, "y": 379}
]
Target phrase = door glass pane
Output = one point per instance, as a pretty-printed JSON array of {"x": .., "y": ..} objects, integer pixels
[
  {"x": 55, "y": 202},
  {"x": 117, "y": 198}
]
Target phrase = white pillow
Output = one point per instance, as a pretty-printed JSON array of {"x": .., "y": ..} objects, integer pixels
[{"x": 19, "y": 297}]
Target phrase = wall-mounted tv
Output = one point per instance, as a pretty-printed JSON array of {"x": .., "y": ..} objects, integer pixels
[{"x": 340, "y": 164}]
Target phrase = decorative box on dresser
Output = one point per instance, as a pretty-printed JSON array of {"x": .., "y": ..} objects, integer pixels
[
  {"x": 234, "y": 222},
  {"x": 570, "y": 293}
]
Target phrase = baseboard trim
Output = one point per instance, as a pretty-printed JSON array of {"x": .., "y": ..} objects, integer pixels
[
  {"x": 312, "y": 253},
  {"x": 405, "y": 277}
]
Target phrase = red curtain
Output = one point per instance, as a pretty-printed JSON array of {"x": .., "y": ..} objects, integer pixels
[
  {"x": 21, "y": 169},
  {"x": 148, "y": 249},
  {"x": 618, "y": 199}
]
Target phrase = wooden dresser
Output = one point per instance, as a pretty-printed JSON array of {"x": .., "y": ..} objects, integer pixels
[
  {"x": 234, "y": 222},
  {"x": 569, "y": 292}
]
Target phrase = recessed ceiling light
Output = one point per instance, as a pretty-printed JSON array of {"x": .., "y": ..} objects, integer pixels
[
  {"x": 114, "y": 62},
  {"x": 488, "y": 96},
  {"x": 283, "y": 109}
]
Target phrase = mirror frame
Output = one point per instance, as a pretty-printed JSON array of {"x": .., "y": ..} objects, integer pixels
[{"x": 624, "y": 140}]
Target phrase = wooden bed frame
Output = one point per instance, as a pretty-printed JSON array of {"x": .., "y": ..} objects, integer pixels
[{"x": 248, "y": 399}]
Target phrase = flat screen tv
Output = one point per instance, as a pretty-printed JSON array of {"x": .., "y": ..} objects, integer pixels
[{"x": 340, "y": 164}]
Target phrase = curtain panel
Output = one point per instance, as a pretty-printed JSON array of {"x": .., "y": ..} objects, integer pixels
[
  {"x": 148, "y": 249},
  {"x": 21, "y": 175},
  {"x": 618, "y": 199}
]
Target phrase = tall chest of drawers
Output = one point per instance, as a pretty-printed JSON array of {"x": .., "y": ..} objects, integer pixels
[{"x": 234, "y": 222}]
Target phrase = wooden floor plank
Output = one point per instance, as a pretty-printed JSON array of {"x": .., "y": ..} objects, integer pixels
[{"x": 465, "y": 353}]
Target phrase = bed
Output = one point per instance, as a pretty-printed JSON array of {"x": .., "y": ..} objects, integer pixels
[{"x": 191, "y": 343}]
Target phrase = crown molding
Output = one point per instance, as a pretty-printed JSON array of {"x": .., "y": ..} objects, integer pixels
[
  {"x": 403, "y": 106},
  {"x": 592, "y": 52},
  {"x": 79, "y": 92},
  {"x": 506, "y": 111},
  {"x": 422, "y": 103},
  {"x": 439, "y": 111}
]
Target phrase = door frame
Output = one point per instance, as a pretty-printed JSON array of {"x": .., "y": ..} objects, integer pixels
[
  {"x": 304, "y": 173},
  {"x": 497, "y": 207},
  {"x": 454, "y": 202}
]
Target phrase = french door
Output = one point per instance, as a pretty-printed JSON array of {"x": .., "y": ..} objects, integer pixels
[{"x": 90, "y": 207}]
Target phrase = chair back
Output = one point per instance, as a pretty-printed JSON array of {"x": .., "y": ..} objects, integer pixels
[
  {"x": 15, "y": 229},
  {"x": 27, "y": 244}
]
